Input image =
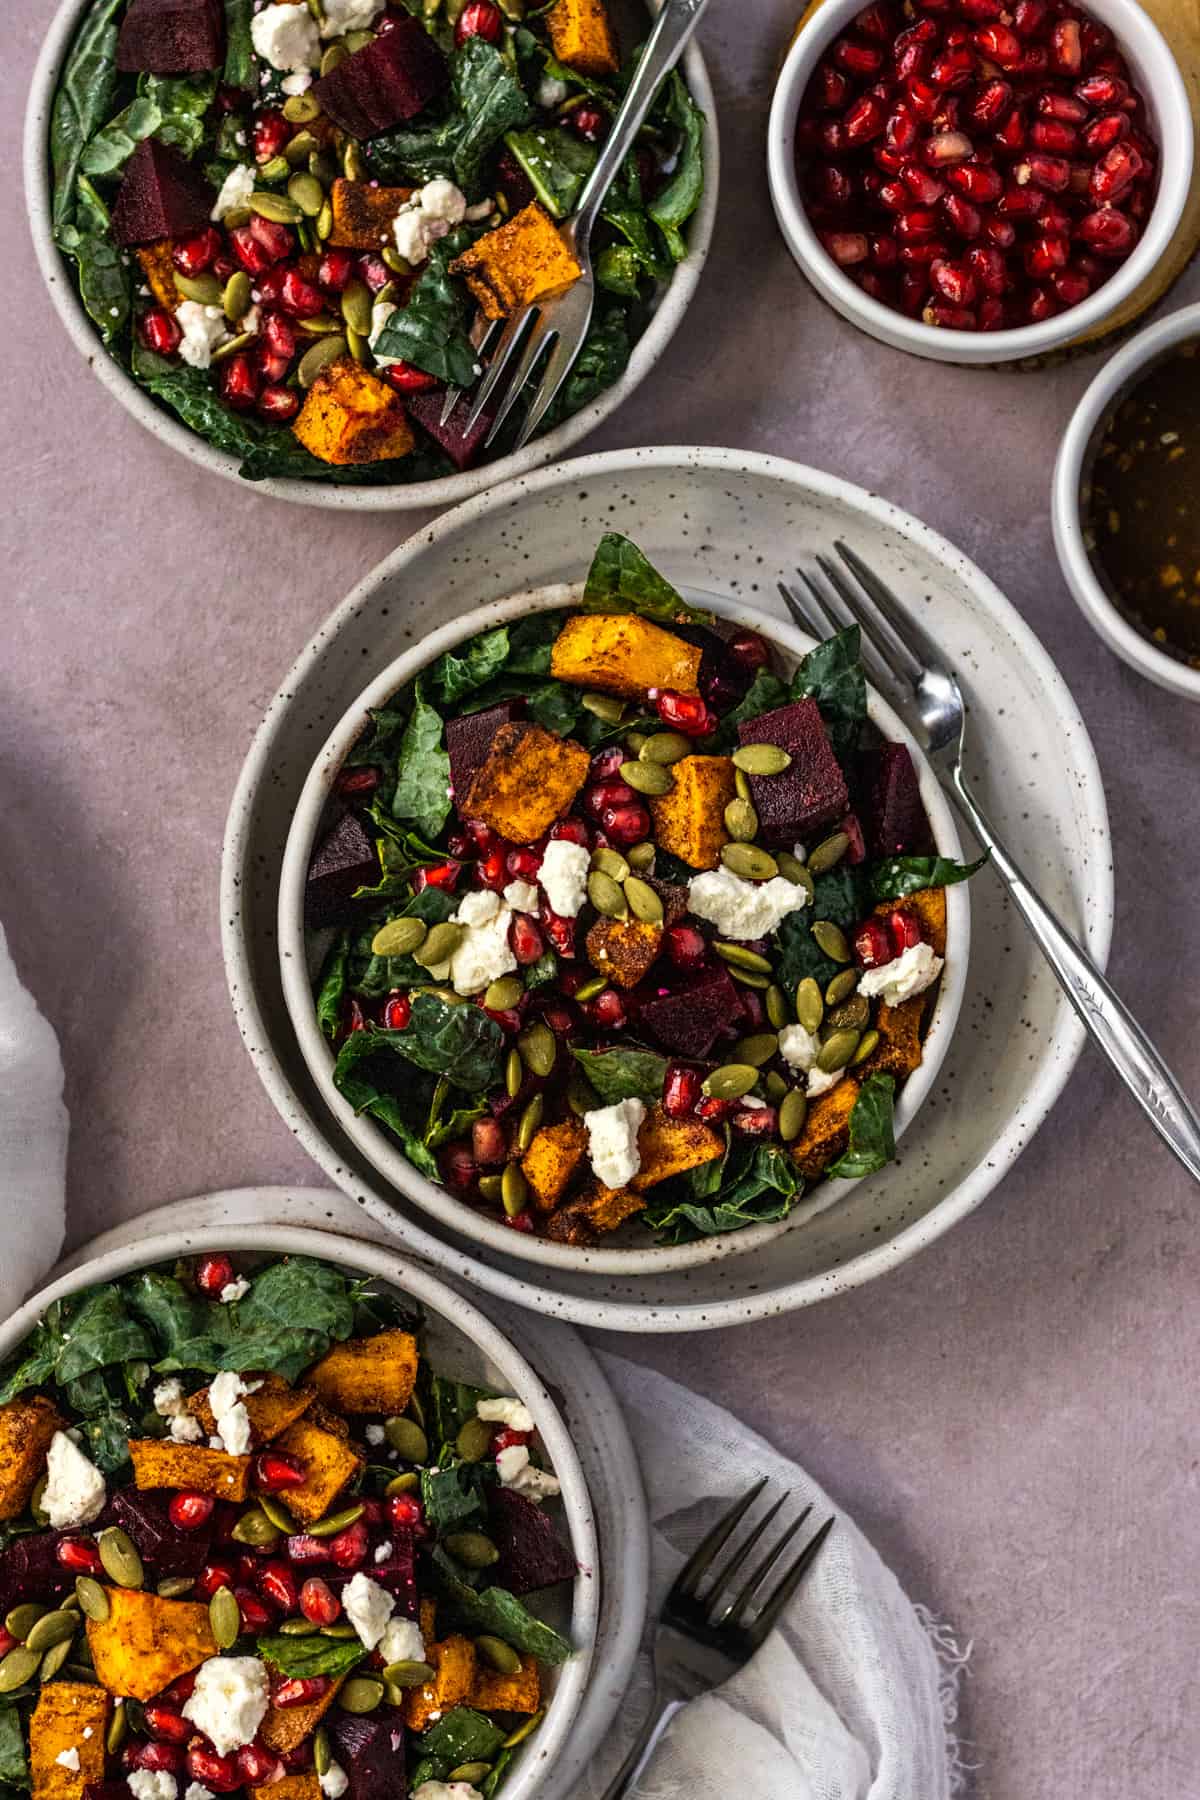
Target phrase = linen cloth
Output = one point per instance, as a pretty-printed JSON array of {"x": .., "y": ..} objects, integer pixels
[{"x": 33, "y": 1139}]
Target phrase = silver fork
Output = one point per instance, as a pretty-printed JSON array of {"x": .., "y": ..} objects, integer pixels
[
  {"x": 927, "y": 692},
  {"x": 704, "y": 1638},
  {"x": 560, "y": 322}
]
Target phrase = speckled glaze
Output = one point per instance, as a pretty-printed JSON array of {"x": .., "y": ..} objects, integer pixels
[
  {"x": 403, "y": 497},
  {"x": 733, "y": 523},
  {"x": 615, "y": 1566}
]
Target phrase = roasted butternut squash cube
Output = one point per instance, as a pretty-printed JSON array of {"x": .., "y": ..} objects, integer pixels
[
  {"x": 27, "y": 1425},
  {"x": 618, "y": 653},
  {"x": 689, "y": 820},
  {"x": 285, "y": 1728},
  {"x": 147, "y": 1642},
  {"x": 826, "y": 1129},
  {"x": 581, "y": 35},
  {"x": 368, "y": 1375},
  {"x": 69, "y": 1715},
  {"x": 898, "y": 1051},
  {"x": 928, "y": 907},
  {"x": 291, "y": 1787},
  {"x": 329, "y": 1463},
  {"x": 526, "y": 781},
  {"x": 519, "y": 262},
  {"x": 672, "y": 1146},
  {"x": 454, "y": 1663},
  {"x": 353, "y": 416},
  {"x": 159, "y": 1463},
  {"x": 551, "y": 1160},
  {"x": 158, "y": 266},
  {"x": 520, "y": 1693},
  {"x": 270, "y": 1409},
  {"x": 623, "y": 949},
  {"x": 363, "y": 215},
  {"x": 596, "y": 1210}
]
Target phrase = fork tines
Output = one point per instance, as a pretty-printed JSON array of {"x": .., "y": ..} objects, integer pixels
[{"x": 728, "y": 1602}]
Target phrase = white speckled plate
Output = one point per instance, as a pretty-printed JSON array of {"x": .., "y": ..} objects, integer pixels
[{"x": 729, "y": 523}]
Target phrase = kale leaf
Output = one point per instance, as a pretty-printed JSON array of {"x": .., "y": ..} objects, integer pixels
[
  {"x": 757, "y": 1185},
  {"x": 557, "y": 163},
  {"x": 454, "y": 1497},
  {"x": 485, "y": 101},
  {"x": 304, "y": 1657},
  {"x": 623, "y": 1074},
  {"x": 832, "y": 675},
  {"x": 872, "y": 1130},
  {"x": 622, "y": 579},
  {"x": 101, "y": 1332},
  {"x": 462, "y": 1736},
  {"x": 331, "y": 990},
  {"x": 495, "y": 1612},
  {"x": 901, "y": 875},
  {"x": 675, "y": 203},
  {"x": 13, "y": 1764},
  {"x": 423, "y": 770},
  {"x": 764, "y": 694},
  {"x": 457, "y": 673},
  {"x": 240, "y": 63},
  {"x": 431, "y": 329},
  {"x": 84, "y": 97},
  {"x": 104, "y": 285},
  {"x": 460, "y": 1042}
]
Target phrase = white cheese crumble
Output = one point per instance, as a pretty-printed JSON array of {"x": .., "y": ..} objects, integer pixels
[
  {"x": 505, "y": 1411},
  {"x": 485, "y": 952},
  {"x": 297, "y": 83},
  {"x": 196, "y": 1790},
  {"x": 906, "y": 975},
  {"x": 168, "y": 1398},
  {"x": 225, "y": 1396},
  {"x": 68, "y": 1759},
  {"x": 521, "y": 896},
  {"x": 229, "y": 1701},
  {"x": 75, "y": 1492},
  {"x": 152, "y": 1784},
  {"x": 798, "y": 1047},
  {"x": 234, "y": 1290},
  {"x": 612, "y": 1141},
  {"x": 428, "y": 216},
  {"x": 286, "y": 37},
  {"x": 821, "y": 1080},
  {"x": 563, "y": 876},
  {"x": 518, "y": 1473},
  {"x": 743, "y": 909},
  {"x": 236, "y": 190},
  {"x": 349, "y": 15},
  {"x": 185, "y": 1429},
  {"x": 203, "y": 327},
  {"x": 368, "y": 1608},
  {"x": 334, "y": 1782},
  {"x": 383, "y": 1551},
  {"x": 446, "y": 1790},
  {"x": 375, "y": 1434},
  {"x": 551, "y": 91},
  {"x": 402, "y": 1642}
]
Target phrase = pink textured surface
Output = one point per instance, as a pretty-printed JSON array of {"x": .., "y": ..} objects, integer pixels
[{"x": 1011, "y": 1415}]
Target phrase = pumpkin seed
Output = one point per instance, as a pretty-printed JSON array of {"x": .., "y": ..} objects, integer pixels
[
  {"x": 596, "y": 984},
  {"x": 225, "y": 1617},
  {"x": 514, "y": 1190},
  {"x": 204, "y": 289},
  {"x": 832, "y": 940},
  {"x": 810, "y": 1008},
  {"x": 647, "y": 777},
  {"x": 793, "y": 1110},
  {"x": 641, "y": 857},
  {"x": 327, "y": 350},
  {"x": 756, "y": 1050},
  {"x": 777, "y": 1007},
  {"x": 277, "y": 1512},
  {"x": 761, "y": 759},
  {"x": 749, "y": 979},
  {"x": 852, "y": 1015},
  {"x": 581, "y": 1098},
  {"x": 868, "y": 1042},
  {"x": 301, "y": 109},
  {"x": 236, "y": 217},
  {"x": 499, "y": 1655},
  {"x": 52, "y": 1628},
  {"x": 730, "y": 1081},
  {"x": 634, "y": 741},
  {"x": 525, "y": 1729},
  {"x": 357, "y": 344},
  {"x": 356, "y": 307},
  {"x": 22, "y": 1619},
  {"x": 739, "y": 957},
  {"x": 407, "y": 1439},
  {"x": 665, "y": 747},
  {"x": 332, "y": 58},
  {"x": 793, "y": 870},
  {"x": 275, "y": 170},
  {"x": 440, "y": 944},
  {"x": 325, "y": 221},
  {"x": 489, "y": 1186},
  {"x": 473, "y": 1441},
  {"x": 235, "y": 297},
  {"x": 298, "y": 1627},
  {"x": 402, "y": 1484},
  {"x": 277, "y": 207},
  {"x": 408, "y": 1674},
  {"x": 604, "y": 706},
  {"x": 358, "y": 40},
  {"x": 841, "y": 987},
  {"x": 471, "y": 1772},
  {"x": 93, "y": 1601},
  {"x": 513, "y": 9},
  {"x": 322, "y": 1754},
  {"x": 514, "y": 1073},
  {"x": 343, "y": 1629},
  {"x": 775, "y": 1087},
  {"x": 539, "y": 1048},
  {"x": 18, "y": 1667},
  {"x": 474, "y": 1549},
  {"x": 317, "y": 10},
  {"x": 503, "y": 994},
  {"x": 399, "y": 265},
  {"x": 256, "y": 1529},
  {"x": 741, "y": 784},
  {"x": 118, "y": 1554},
  {"x": 530, "y": 1119},
  {"x": 644, "y": 903},
  {"x": 837, "y": 1050},
  {"x": 306, "y": 192},
  {"x": 607, "y": 896},
  {"x": 360, "y": 1694},
  {"x": 741, "y": 821},
  {"x": 828, "y": 853},
  {"x": 353, "y": 166},
  {"x": 232, "y": 346},
  {"x": 338, "y": 1521},
  {"x": 320, "y": 325},
  {"x": 610, "y": 862},
  {"x": 118, "y": 1730},
  {"x": 54, "y": 1658},
  {"x": 748, "y": 861}
]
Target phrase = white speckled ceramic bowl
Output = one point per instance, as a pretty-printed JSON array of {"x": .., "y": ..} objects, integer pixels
[
  {"x": 461, "y": 1341},
  {"x": 401, "y": 497},
  {"x": 735, "y": 523},
  {"x": 629, "y": 1251}
]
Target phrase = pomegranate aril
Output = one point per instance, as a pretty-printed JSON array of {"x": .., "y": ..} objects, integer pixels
[
  {"x": 1045, "y": 254},
  {"x": 439, "y": 875},
  {"x": 80, "y": 1555},
  {"x": 302, "y": 1547},
  {"x": 1109, "y": 129},
  {"x": 923, "y": 253},
  {"x": 954, "y": 68},
  {"x": 917, "y": 224},
  {"x": 755, "y": 1121},
  {"x": 560, "y": 931},
  {"x": 1002, "y": 232},
  {"x": 863, "y": 60},
  {"x": 479, "y": 18},
  {"x": 1102, "y": 90},
  {"x": 255, "y": 1616},
  {"x": 1114, "y": 173},
  {"x": 873, "y": 944},
  {"x": 846, "y": 247},
  {"x": 335, "y": 271},
  {"x": 991, "y": 314},
  {"x": 397, "y": 1011},
  {"x": 976, "y": 181},
  {"x": 715, "y": 1111},
  {"x": 279, "y": 404},
  {"x": 894, "y": 196},
  {"x": 988, "y": 267},
  {"x": 279, "y": 334},
  {"x": 1054, "y": 135},
  {"x": 195, "y": 255},
  {"x": 271, "y": 133},
  {"x": 374, "y": 272},
  {"x": 301, "y": 298},
  {"x": 1050, "y": 173},
  {"x": 258, "y": 1767},
  {"x": 277, "y": 1584},
  {"x": 165, "y": 1724},
  {"x": 885, "y": 252},
  {"x": 682, "y": 1091},
  {"x": 875, "y": 21},
  {"x": 159, "y": 332},
  {"x": 1021, "y": 199},
  {"x": 219, "y": 1774},
  {"x": 277, "y": 1470},
  {"x": 900, "y": 132},
  {"x": 213, "y": 1273},
  {"x": 489, "y": 1143},
  {"x": 923, "y": 98},
  {"x": 832, "y": 88},
  {"x": 349, "y": 1547},
  {"x": 924, "y": 187},
  {"x": 946, "y": 147},
  {"x": 1029, "y": 16},
  {"x": 607, "y": 1010},
  {"x": 965, "y": 219},
  {"x": 406, "y": 1511},
  {"x": 914, "y": 285},
  {"x": 189, "y": 1511},
  {"x": 1066, "y": 48},
  {"x": 1108, "y": 231},
  {"x": 991, "y": 102},
  {"x": 684, "y": 712},
  {"x": 953, "y": 281},
  {"x": 239, "y": 382},
  {"x": 748, "y": 650},
  {"x": 7, "y": 1641},
  {"x": 949, "y": 318},
  {"x": 626, "y": 824},
  {"x": 212, "y": 1576},
  {"x": 493, "y": 871},
  {"x": 865, "y": 120},
  {"x": 1000, "y": 44},
  {"x": 528, "y": 944},
  {"x": 1010, "y": 133},
  {"x": 300, "y": 1690},
  {"x": 1064, "y": 107},
  {"x": 318, "y": 1602},
  {"x": 166, "y": 1757},
  {"x": 275, "y": 239},
  {"x": 1071, "y": 286}
]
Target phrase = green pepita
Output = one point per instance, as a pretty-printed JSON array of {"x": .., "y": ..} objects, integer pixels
[
  {"x": 37, "y": 1498},
  {"x": 634, "y": 741},
  {"x": 528, "y": 1124},
  {"x": 604, "y": 706},
  {"x": 18, "y": 1667},
  {"x": 596, "y": 984},
  {"x": 525, "y": 1729},
  {"x": 514, "y": 1073},
  {"x": 302, "y": 149},
  {"x": 581, "y": 1097},
  {"x": 225, "y": 1617},
  {"x": 774, "y": 1087},
  {"x": 322, "y": 1754},
  {"x": 748, "y": 861},
  {"x": 235, "y": 297},
  {"x": 741, "y": 785},
  {"x": 332, "y": 1523},
  {"x": 277, "y": 207},
  {"x": 51, "y": 1629},
  {"x": 473, "y": 1773},
  {"x": 358, "y": 40},
  {"x": 407, "y": 1439},
  {"x": 353, "y": 166},
  {"x": 837, "y": 1050},
  {"x": 356, "y": 307},
  {"x": 828, "y": 853},
  {"x": 473, "y": 1441},
  {"x": 761, "y": 759},
  {"x": 810, "y": 1008},
  {"x": 306, "y": 192},
  {"x": 256, "y": 1529},
  {"x": 325, "y": 221},
  {"x": 643, "y": 902},
  {"x": 852, "y": 1015},
  {"x": 277, "y": 1512},
  {"x": 498, "y": 1655},
  {"x": 321, "y": 325},
  {"x": 647, "y": 777},
  {"x": 641, "y": 857},
  {"x": 399, "y": 265},
  {"x": 232, "y": 346},
  {"x": 513, "y": 10},
  {"x": 327, "y": 350},
  {"x": 358, "y": 345},
  {"x": 334, "y": 56},
  {"x": 777, "y": 1007},
  {"x": 343, "y": 1630},
  {"x": 360, "y": 1694},
  {"x": 473, "y": 1549},
  {"x": 174, "y": 1587},
  {"x": 118, "y": 1730},
  {"x": 93, "y": 1601},
  {"x": 204, "y": 289},
  {"x": 54, "y": 1658},
  {"x": 793, "y": 1110},
  {"x": 408, "y": 1674},
  {"x": 607, "y": 895},
  {"x": 832, "y": 940},
  {"x": 301, "y": 109},
  {"x": 749, "y": 979},
  {"x": 867, "y": 1044},
  {"x": 275, "y": 170},
  {"x": 841, "y": 987},
  {"x": 793, "y": 870},
  {"x": 118, "y": 1554},
  {"x": 539, "y": 1048},
  {"x": 22, "y": 1619},
  {"x": 730, "y": 1081},
  {"x": 504, "y": 993},
  {"x": 665, "y": 747},
  {"x": 738, "y": 957},
  {"x": 514, "y": 1190},
  {"x": 756, "y": 1050},
  {"x": 741, "y": 821},
  {"x": 403, "y": 1484},
  {"x": 610, "y": 862},
  {"x": 489, "y": 1187},
  {"x": 440, "y": 944},
  {"x": 236, "y": 217},
  {"x": 299, "y": 1627}
]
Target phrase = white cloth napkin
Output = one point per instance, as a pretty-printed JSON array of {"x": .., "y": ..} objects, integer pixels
[
  {"x": 33, "y": 1139},
  {"x": 853, "y": 1698}
]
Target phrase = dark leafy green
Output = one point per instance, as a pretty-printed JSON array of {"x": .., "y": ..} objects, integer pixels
[
  {"x": 764, "y": 694},
  {"x": 34, "y": 1361},
  {"x": 374, "y": 975},
  {"x": 797, "y": 953},
  {"x": 454, "y": 1497},
  {"x": 104, "y": 285},
  {"x": 832, "y": 675},
  {"x": 623, "y": 1074},
  {"x": 495, "y": 1612},
  {"x": 240, "y": 61},
  {"x": 354, "y": 1079},
  {"x": 842, "y": 894},
  {"x": 442, "y": 1127},
  {"x": 457, "y": 673},
  {"x": 173, "y": 1312},
  {"x": 332, "y": 990},
  {"x": 430, "y": 329},
  {"x": 486, "y": 100},
  {"x": 872, "y": 1134},
  {"x": 675, "y": 203},
  {"x": 622, "y": 579},
  {"x": 757, "y": 1185},
  {"x": 557, "y": 163},
  {"x": 599, "y": 365},
  {"x": 14, "y": 1766},
  {"x": 82, "y": 102},
  {"x": 462, "y": 1736},
  {"x": 110, "y": 149},
  {"x": 99, "y": 1333},
  {"x": 499, "y": 1772},
  {"x": 451, "y": 1404},
  {"x": 619, "y": 270},
  {"x": 423, "y": 770},
  {"x": 294, "y": 1311},
  {"x": 902, "y": 875},
  {"x": 460, "y": 1042},
  {"x": 305, "y": 1657}
]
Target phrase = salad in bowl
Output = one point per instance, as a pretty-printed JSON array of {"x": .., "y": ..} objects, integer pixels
[{"x": 621, "y": 919}]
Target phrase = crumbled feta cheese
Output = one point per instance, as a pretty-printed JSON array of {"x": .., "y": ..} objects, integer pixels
[
  {"x": 426, "y": 217},
  {"x": 821, "y": 1080},
  {"x": 349, "y": 15},
  {"x": 375, "y": 1434},
  {"x": 383, "y": 1551},
  {"x": 477, "y": 908},
  {"x": 563, "y": 876},
  {"x": 440, "y": 199},
  {"x": 286, "y": 37},
  {"x": 203, "y": 327},
  {"x": 485, "y": 952},
  {"x": 229, "y": 1701},
  {"x": 168, "y": 1398},
  {"x": 152, "y": 1784},
  {"x": 743, "y": 909},
  {"x": 752, "y": 1103},
  {"x": 298, "y": 82},
  {"x": 368, "y": 1608},
  {"x": 236, "y": 190},
  {"x": 517, "y": 1472},
  {"x": 447, "y": 1790},
  {"x": 234, "y": 1290},
  {"x": 235, "y": 1431},
  {"x": 521, "y": 896},
  {"x": 381, "y": 312},
  {"x": 551, "y": 91},
  {"x": 225, "y": 1396},
  {"x": 334, "y": 1782},
  {"x": 185, "y": 1429},
  {"x": 402, "y": 1642},
  {"x": 196, "y": 1790},
  {"x": 75, "y": 1492},
  {"x": 506, "y": 1411},
  {"x": 69, "y": 1759},
  {"x": 612, "y": 1141},
  {"x": 410, "y": 229},
  {"x": 798, "y": 1047},
  {"x": 906, "y": 975}
]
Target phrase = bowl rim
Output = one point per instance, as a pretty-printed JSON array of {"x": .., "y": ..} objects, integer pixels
[
  {"x": 447, "y": 490},
  {"x": 1136, "y": 30},
  {"x": 461, "y": 1314},
  {"x": 385, "y": 1157},
  {"x": 1066, "y": 505}
]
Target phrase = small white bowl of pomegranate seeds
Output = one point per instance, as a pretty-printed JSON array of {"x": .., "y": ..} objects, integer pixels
[{"x": 979, "y": 181}]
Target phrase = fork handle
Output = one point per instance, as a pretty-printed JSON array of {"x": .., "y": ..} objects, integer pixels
[
  {"x": 1104, "y": 1015},
  {"x": 665, "y": 45},
  {"x": 659, "y": 1717}
]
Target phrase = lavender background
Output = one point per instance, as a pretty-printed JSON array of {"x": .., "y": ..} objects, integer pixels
[{"x": 1012, "y": 1415}]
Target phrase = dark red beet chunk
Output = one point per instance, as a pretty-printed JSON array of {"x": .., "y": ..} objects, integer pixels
[
  {"x": 532, "y": 1555},
  {"x": 161, "y": 1545},
  {"x": 896, "y": 822},
  {"x": 812, "y": 792},
  {"x": 161, "y": 196},
  {"x": 344, "y": 860},
  {"x": 106, "y": 1790},
  {"x": 385, "y": 83},
  {"x": 461, "y": 446},
  {"x": 688, "y": 1022},
  {"x": 30, "y": 1570},
  {"x": 370, "y": 1748},
  {"x": 469, "y": 739},
  {"x": 172, "y": 37},
  {"x": 398, "y": 1574}
]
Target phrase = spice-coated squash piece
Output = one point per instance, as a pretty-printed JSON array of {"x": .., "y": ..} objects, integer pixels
[
  {"x": 292, "y": 1787},
  {"x": 671, "y": 1146},
  {"x": 368, "y": 1375},
  {"x": 689, "y": 819},
  {"x": 65, "y": 1712},
  {"x": 363, "y": 215},
  {"x": 454, "y": 1663},
  {"x": 623, "y": 949},
  {"x": 928, "y": 907},
  {"x": 551, "y": 1160},
  {"x": 519, "y": 262},
  {"x": 285, "y": 1728},
  {"x": 520, "y": 1693},
  {"x": 618, "y": 653},
  {"x": 147, "y": 1642},
  {"x": 271, "y": 1408},
  {"x": 158, "y": 266},
  {"x": 329, "y": 1462},
  {"x": 898, "y": 1051},
  {"x": 353, "y": 416},
  {"x": 526, "y": 781},
  {"x": 26, "y": 1427},
  {"x": 159, "y": 1463},
  {"x": 582, "y": 36},
  {"x": 826, "y": 1129},
  {"x": 597, "y": 1209}
]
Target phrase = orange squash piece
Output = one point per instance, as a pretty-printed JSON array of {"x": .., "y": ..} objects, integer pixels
[
  {"x": 520, "y": 1693},
  {"x": 352, "y": 415},
  {"x": 581, "y": 36},
  {"x": 368, "y": 1375},
  {"x": 551, "y": 1160},
  {"x": 158, "y": 266},
  {"x": 160, "y": 1463},
  {"x": 826, "y": 1129},
  {"x": 27, "y": 1425},
  {"x": 329, "y": 1463},
  {"x": 671, "y": 1146},
  {"x": 928, "y": 907},
  {"x": 285, "y": 1728},
  {"x": 689, "y": 820},
  {"x": 270, "y": 1409},
  {"x": 597, "y": 1209},
  {"x": 519, "y": 262},
  {"x": 526, "y": 781},
  {"x": 147, "y": 1642},
  {"x": 69, "y": 1715},
  {"x": 454, "y": 1663},
  {"x": 623, "y": 949},
  {"x": 620, "y": 653},
  {"x": 898, "y": 1051},
  {"x": 363, "y": 215},
  {"x": 291, "y": 1787}
]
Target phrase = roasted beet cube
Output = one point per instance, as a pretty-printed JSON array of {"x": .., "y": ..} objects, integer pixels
[
  {"x": 172, "y": 37},
  {"x": 532, "y": 1555},
  {"x": 107, "y": 1790},
  {"x": 398, "y": 1574},
  {"x": 30, "y": 1570},
  {"x": 386, "y": 82},
  {"x": 161, "y": 196},
  {"x": 688, "y": 1021},
  {"x": 896, "y": 821},
  {"x": 469, "y": 739},
  {"x": 812, "y": 792},
  {"x": 370, "y": 1748},
  {"x": 161, "y": 1545},
  {"x": 344, "y": 860},
  {"x": 461, "y": 446}
]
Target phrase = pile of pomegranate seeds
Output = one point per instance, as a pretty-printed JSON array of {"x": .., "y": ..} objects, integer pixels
[{"x": 976, "y": 166}]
